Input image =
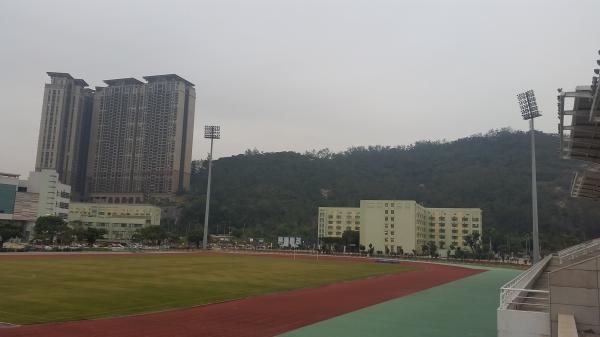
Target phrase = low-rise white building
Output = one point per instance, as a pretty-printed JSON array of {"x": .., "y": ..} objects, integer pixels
[
  {"x": 120, "y": 221},
  {"x": 41, "y": 194}
]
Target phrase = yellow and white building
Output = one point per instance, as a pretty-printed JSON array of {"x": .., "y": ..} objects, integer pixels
[
  {"x": 393, "y": 224},
  {"x": 448, "y": 226},
  {"x": 333, "y": 221},
  {"x": 120, "y": 221}
]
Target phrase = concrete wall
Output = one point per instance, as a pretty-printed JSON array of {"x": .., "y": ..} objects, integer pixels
[
  {"x": 574, "y": 290},
  {"x": 514, "y": 323}
]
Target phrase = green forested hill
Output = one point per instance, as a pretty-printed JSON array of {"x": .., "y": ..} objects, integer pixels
[{"x": 270, "y": 194}]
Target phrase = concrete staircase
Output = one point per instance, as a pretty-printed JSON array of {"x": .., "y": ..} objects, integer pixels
[{"x": 535, "y": 301}]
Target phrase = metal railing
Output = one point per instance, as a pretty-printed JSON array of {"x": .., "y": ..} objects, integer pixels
[
  {"x": 571, "y": 253},
  {"x": 515, "y": 293}
]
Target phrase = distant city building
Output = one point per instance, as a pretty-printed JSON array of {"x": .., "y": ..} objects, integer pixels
[
  {"x": 64, "y": 129},
  {"x": 120, "y": 221},
  {"x": 395, "y": 224},
  {"x": 333, "y": 221},
  {"x": 53, "y": 196},
  {"x": 141, "y": 139},
  {"x": 25, "y": 200},
  {"x": 8, "y": 192}
]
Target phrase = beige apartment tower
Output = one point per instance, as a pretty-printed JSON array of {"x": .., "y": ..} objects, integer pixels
[
  {"x": 64, "y": 130},
  {"x": 141, "y": 139}
]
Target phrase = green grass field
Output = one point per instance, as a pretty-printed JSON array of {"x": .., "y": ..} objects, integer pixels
[{"x": 50, "y": 289}]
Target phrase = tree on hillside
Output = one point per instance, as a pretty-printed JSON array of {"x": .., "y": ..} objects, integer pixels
[
  {"x": 47, "y": 228},
  {"x": 9, "y": 230},
  {"x": 272, "y": 193},
  {"x": 196, "y": 237}
]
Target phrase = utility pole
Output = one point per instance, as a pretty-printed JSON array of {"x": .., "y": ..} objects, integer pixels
[
  {"x": 529, "y": 111},
  {"x": 211, "y": 132}
]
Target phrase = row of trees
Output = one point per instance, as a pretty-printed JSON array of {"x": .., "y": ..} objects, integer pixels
[{"x": 54, "y": 230}]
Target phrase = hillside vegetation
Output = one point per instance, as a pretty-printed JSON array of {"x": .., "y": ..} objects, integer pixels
[{"x": 271, "y": 194}]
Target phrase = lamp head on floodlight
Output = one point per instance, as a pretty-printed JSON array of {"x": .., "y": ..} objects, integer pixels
[
  {"x": 528, "y": 105},
  {"x": 212, "y": 131}
]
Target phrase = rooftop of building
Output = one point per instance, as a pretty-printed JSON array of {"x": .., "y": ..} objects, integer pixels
[
  {"x": 155, "y": 78},
  {"x": 123, "y": 81},
  {"x": 81, "y": 82},
  {"x": 59, "y": 74},
  {"x": 77, "y": 81}
]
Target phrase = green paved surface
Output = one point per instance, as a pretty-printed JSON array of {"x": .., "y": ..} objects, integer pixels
[{"x": 462, "y": 308}]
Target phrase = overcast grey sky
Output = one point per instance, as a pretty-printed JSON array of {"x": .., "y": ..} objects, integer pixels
[{"x": 297, "y": 75}]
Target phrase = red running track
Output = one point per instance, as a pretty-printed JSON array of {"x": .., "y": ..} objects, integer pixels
[{"x": 267, "y": 315}]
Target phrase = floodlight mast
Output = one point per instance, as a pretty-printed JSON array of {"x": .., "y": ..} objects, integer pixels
[
  {"x": 529, "y": 111},
  {"x": 211, "y": 132}
]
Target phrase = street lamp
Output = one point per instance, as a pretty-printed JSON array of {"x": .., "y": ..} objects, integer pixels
[
  {"x": 529, "y": 111},
  {"x": 211, "y": 132}
]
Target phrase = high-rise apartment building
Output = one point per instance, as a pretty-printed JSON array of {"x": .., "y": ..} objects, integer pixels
[
  {"x": 64, "y": 129},
  {"x": 141, "y": 139}
]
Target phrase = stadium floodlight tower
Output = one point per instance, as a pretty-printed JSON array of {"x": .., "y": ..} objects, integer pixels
[
  {"x": 211, "y": 132},
  {"x": 529, "y": 111}
]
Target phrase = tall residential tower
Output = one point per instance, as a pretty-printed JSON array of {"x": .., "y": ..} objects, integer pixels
[
  {"x": 64, "y": 130},
  {"x": 141, "y": 139}
]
